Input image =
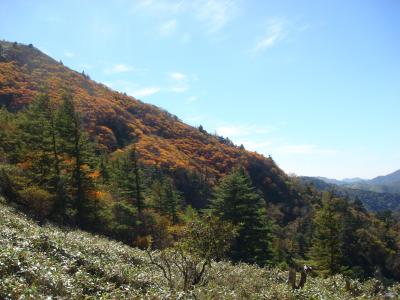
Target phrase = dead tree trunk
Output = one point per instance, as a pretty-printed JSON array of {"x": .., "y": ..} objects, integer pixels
[{"x": 303, "y": 277}]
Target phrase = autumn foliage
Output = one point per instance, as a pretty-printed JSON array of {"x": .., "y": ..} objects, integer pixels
[{"x": 115, "y": 120}]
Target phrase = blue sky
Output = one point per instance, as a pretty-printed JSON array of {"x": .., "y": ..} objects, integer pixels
[{"x": 315, "y": 84}]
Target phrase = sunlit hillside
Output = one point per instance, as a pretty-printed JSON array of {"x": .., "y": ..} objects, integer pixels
[
  {"x": 48, "y": 262},
  {"x": 116, "y": 120}
]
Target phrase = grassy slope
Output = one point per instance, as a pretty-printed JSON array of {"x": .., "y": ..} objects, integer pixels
[{"x": 37, "y": 262}]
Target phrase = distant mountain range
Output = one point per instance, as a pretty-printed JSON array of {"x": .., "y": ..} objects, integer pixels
[
  {"x": 341, "y": 182},
  {"x": 382, "y": 184},
  {"x": 378, "y": 194}
]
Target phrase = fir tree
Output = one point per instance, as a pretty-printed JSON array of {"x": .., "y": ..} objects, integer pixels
[
  {"x": 38, "y": 147},
  {"x": 165, "y": 198},
  {"x": 8, "y": 136},
  {"x": 78, "y": 155},
  {"x": 128, "y": 179},
  {"x": 326, "y": 250},
  {"x": 138, "y": 176},
  {"x": 104, "y": 169},
  {"x": 236, "y": 201}
]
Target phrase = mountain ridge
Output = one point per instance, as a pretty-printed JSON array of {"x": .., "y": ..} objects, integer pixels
[
  {"x": 116, "y": 121},
  {"x": 388, "y": 178},
  {"x": 389, "y": 183},
  {"x": 373, "y": 200}
]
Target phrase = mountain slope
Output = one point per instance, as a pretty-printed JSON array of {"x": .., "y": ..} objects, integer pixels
[
  {"x": 387, "y": 179},
  {"x": 382, "y": 184},
  {"x": 341, "y": 182},
  {"x": 45, "y": 262},
  {"x": 388, "y": 183},
  {"x": 116, "y": 120},
  {"x": 373, "y": 201}
]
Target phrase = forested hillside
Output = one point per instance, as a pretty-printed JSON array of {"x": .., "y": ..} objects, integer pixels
[
  {"x": 115, "y": 120},
  {"x": 47, "y": 262},
  {"x": 80, "y": 155},
  {"x": 374, "y": 201}
]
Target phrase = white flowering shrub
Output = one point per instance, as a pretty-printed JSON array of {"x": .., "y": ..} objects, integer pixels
[{"x": 52, "y": 263}]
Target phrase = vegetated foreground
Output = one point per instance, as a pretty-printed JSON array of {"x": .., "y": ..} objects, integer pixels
[{"x": 41, "y": 262}]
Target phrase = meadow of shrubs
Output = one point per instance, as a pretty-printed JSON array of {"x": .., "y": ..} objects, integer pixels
[{"x": 48, "y": 262}]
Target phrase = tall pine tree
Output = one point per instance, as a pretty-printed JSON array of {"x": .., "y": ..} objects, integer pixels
[
  {"x": 78, "y": 154},
  {"x": 326, "y": 250},
  {"x": 128, "y": 179},
  {"x": 236, "y": 201},
  {"x": 38, "y": 145},
  {"x": 165, "y": 198}
]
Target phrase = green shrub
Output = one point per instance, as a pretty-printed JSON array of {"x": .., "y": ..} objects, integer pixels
[
  {"x": 38, "y": 200},
  {"x": 12, "y": 179}
]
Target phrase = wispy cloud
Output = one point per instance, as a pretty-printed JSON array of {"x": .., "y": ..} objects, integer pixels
[
  {"x": 168, "y": 28},
  {"x": 274, "y": 33},
  {"x": 68, "y": 53},
  {"x": 215, "y": 14},
  {"x": 144, "y": 92},
  {"x": 159, "y": 6},
  {"x": 132, "y": 88},
  {"x": 261, "y": 139},
  {"x": 231, "y": 131},
  {"x": 180, "y": 82},
  {"x": 253, "y": 136},
  {"x": 263, "y": 146},
  {"x": 178, "y": 76},
  {"x": 118, "y": 68},
  {"x": 241, "y": 130}
]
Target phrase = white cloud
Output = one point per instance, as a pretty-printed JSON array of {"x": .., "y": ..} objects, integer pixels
[
  {"x": 258, "y": 138},
  {"x": 168, "y": 28},
  {"x": 254, "y": 137},
  {"x": 144, "y": 92},
  {"x": 231, "y": 131},
  {"x": 215, "y": 14},
  {"x": 177, "y": 76},
  {"x": 241, "y": 130},
  {"x": 118, "y": 68},
  {"x": 180, "y": 82},
  {"x": 259, "y": 146},
  {"x": 68, "y": 53},
  {"x": 132, "y": 88},
  {"x": 274, "y": 33}
]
